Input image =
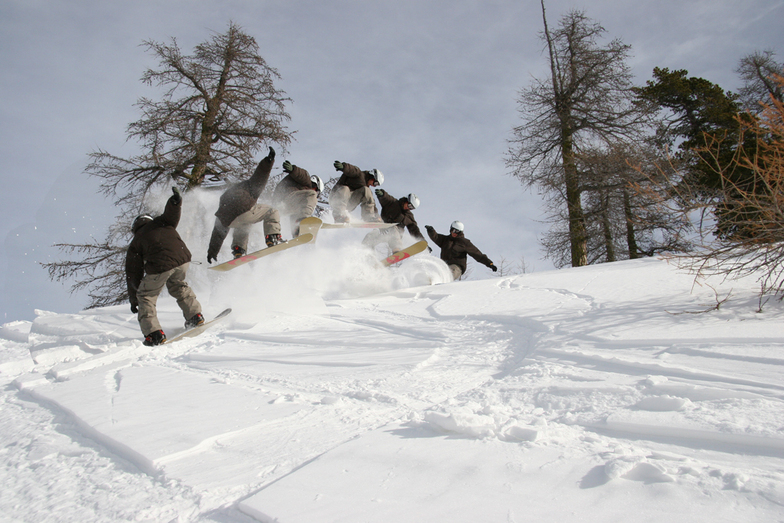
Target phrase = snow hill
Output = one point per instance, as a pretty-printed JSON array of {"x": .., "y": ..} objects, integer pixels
[{"x": 338, "y": 392}]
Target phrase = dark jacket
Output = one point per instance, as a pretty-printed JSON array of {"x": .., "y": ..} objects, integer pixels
[
  {"x": 392, "y": 212},
  {"x": 242, "y": 196},
  {"x": 353, "y": 177},
  {"x": 297, "y": 180},
  {"x": 454, "y": 250},
  {"x": 239, "y": 199},
  {"x": 156, "y": 247}
]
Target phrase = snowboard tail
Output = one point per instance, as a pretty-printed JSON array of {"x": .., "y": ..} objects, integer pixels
[
  {"x": 310, "y": 225},
  {"x": 401, "y": 255},
  {"x": 190, "y": 333}
]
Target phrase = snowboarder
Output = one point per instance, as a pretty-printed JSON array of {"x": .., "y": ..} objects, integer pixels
[
  {"x": 239, "y": 210},
  {"x": 297, "y": 194},
  {"x": 455, "y": 247},
  {"x": 398, "y": 211},
  {"x": 158, "y": 257},
  {"x": 353, "y": 189}
]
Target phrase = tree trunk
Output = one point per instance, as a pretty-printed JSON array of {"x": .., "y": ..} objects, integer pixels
[
  {"x": 609, "y": 247},
  {"x": 209, "y": 123},
  {"x": 631, "y": 240},
  {"x": 577, "y": 235}
]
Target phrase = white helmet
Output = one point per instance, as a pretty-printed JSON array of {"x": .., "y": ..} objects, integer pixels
[
  {"x": 413, "y": 201},
  {"x": 319, "y": 184},
  {"x": 457, "y": 226},
  {"x": 377, "y": 175}
]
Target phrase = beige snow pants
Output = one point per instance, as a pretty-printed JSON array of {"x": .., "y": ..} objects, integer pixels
[
  {"x": 299, "y": 205},
  {"x": 243, "y": 223},
  {"x": 343, "y": 201},
  {"x": 152, "y": 285},
  {"x": 389, "y": 235}
]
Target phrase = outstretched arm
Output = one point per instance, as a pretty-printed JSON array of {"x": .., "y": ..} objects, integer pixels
[
  {"x": 477, "y": 254},
  {"x": 219, "y": 233},
  {"x": 134, "y": 272},
  {"x": 438, "y": 239},
  {"x": 173, "y": 211},
  {"x": 351, "y": 171},
  {"x": 258, "y": 181},
  {"x": 413, "y": 229}
]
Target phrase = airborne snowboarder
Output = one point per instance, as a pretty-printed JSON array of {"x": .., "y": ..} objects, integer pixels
[
  {"x": 239, "y": 210},
  {"x": 397, "y": 211},
  {"x": 353, "y": 189},
  {"x": 297, "y": 194}
]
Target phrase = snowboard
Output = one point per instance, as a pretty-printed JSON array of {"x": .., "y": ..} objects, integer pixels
[
  {"x": 302, "y": 239},
  {"x": 190, "y": 333},
  {"x": 358, "y": 225},
  {"x": 310, "y": 225},
  {"x": 409, "y": 251}
]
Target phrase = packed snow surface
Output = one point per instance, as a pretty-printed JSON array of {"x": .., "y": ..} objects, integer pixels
[{"x": 336, "y": 391}]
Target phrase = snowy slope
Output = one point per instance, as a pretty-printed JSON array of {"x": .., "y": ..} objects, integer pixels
[{"x": 347, "y": 394}]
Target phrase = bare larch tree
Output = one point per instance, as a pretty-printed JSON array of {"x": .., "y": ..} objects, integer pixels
[
  {"x": 219, "y": 107},
  {"x": 586, "y": 101}
]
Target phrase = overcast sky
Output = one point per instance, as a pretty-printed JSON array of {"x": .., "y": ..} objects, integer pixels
[{"x": 424, "y": 90}]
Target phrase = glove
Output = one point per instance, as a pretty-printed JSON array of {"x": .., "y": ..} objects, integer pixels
[
  {"x": 379, "y": 192},
  {"x": 338, "y": 165},
  {"x": 493, "y": 267},
  {"x": 271, "y": 154},
  {"x": 287, "y": 167},
  {"x": 176, "y": 198},
  {"x": 429, "y": 228},
  {"x": 134, "y": 308},
  {"x": 211, "y": 257}
]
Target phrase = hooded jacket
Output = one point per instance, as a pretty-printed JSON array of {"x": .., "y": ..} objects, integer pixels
[
  {"x": 239, "y": 199},
  {"x": 297, "y": 180},
  {"x": 242, "y": 196},
  {"x": 156, "y": 247},
  {"x": 454, "y": 250},
  {"x": 353, "y": 177},
  {"x": 392, "y": 212}
]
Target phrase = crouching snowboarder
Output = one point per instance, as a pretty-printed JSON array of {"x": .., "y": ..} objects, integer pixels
[
  {"x": 397, "y": 211},
  {"x": 158, "y": 257},
  {"x": 297, "y": 194},
  {"x": 353, "y": 189},
  {"x": 455, "y": 247},
  {"x": 239, "y": 210}
]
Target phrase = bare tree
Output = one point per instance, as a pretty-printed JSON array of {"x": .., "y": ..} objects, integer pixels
[
  {"x": 624, "y": 220},
  {"x": 758, "y": 71},
  {"x": 522, "y": 266},
  {"x": 219, "y": 107},
  {"x": 629, "y": 220},
  {"x": 587, "y": 100}
]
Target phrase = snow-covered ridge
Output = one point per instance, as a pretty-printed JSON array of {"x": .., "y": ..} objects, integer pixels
[{"x": 575, "y": 395}]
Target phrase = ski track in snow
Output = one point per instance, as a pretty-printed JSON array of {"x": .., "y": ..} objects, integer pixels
[{"x": 590, "y": 365}]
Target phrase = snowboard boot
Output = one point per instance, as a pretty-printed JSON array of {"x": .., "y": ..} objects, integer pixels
[
  {"x": 340, "y": 218},
  {"x": 273, "y": 239},
  {"x": 237, "y": 252},
  {"x": 154, "y": 338},
  {"x": 195, "y": 321}
]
